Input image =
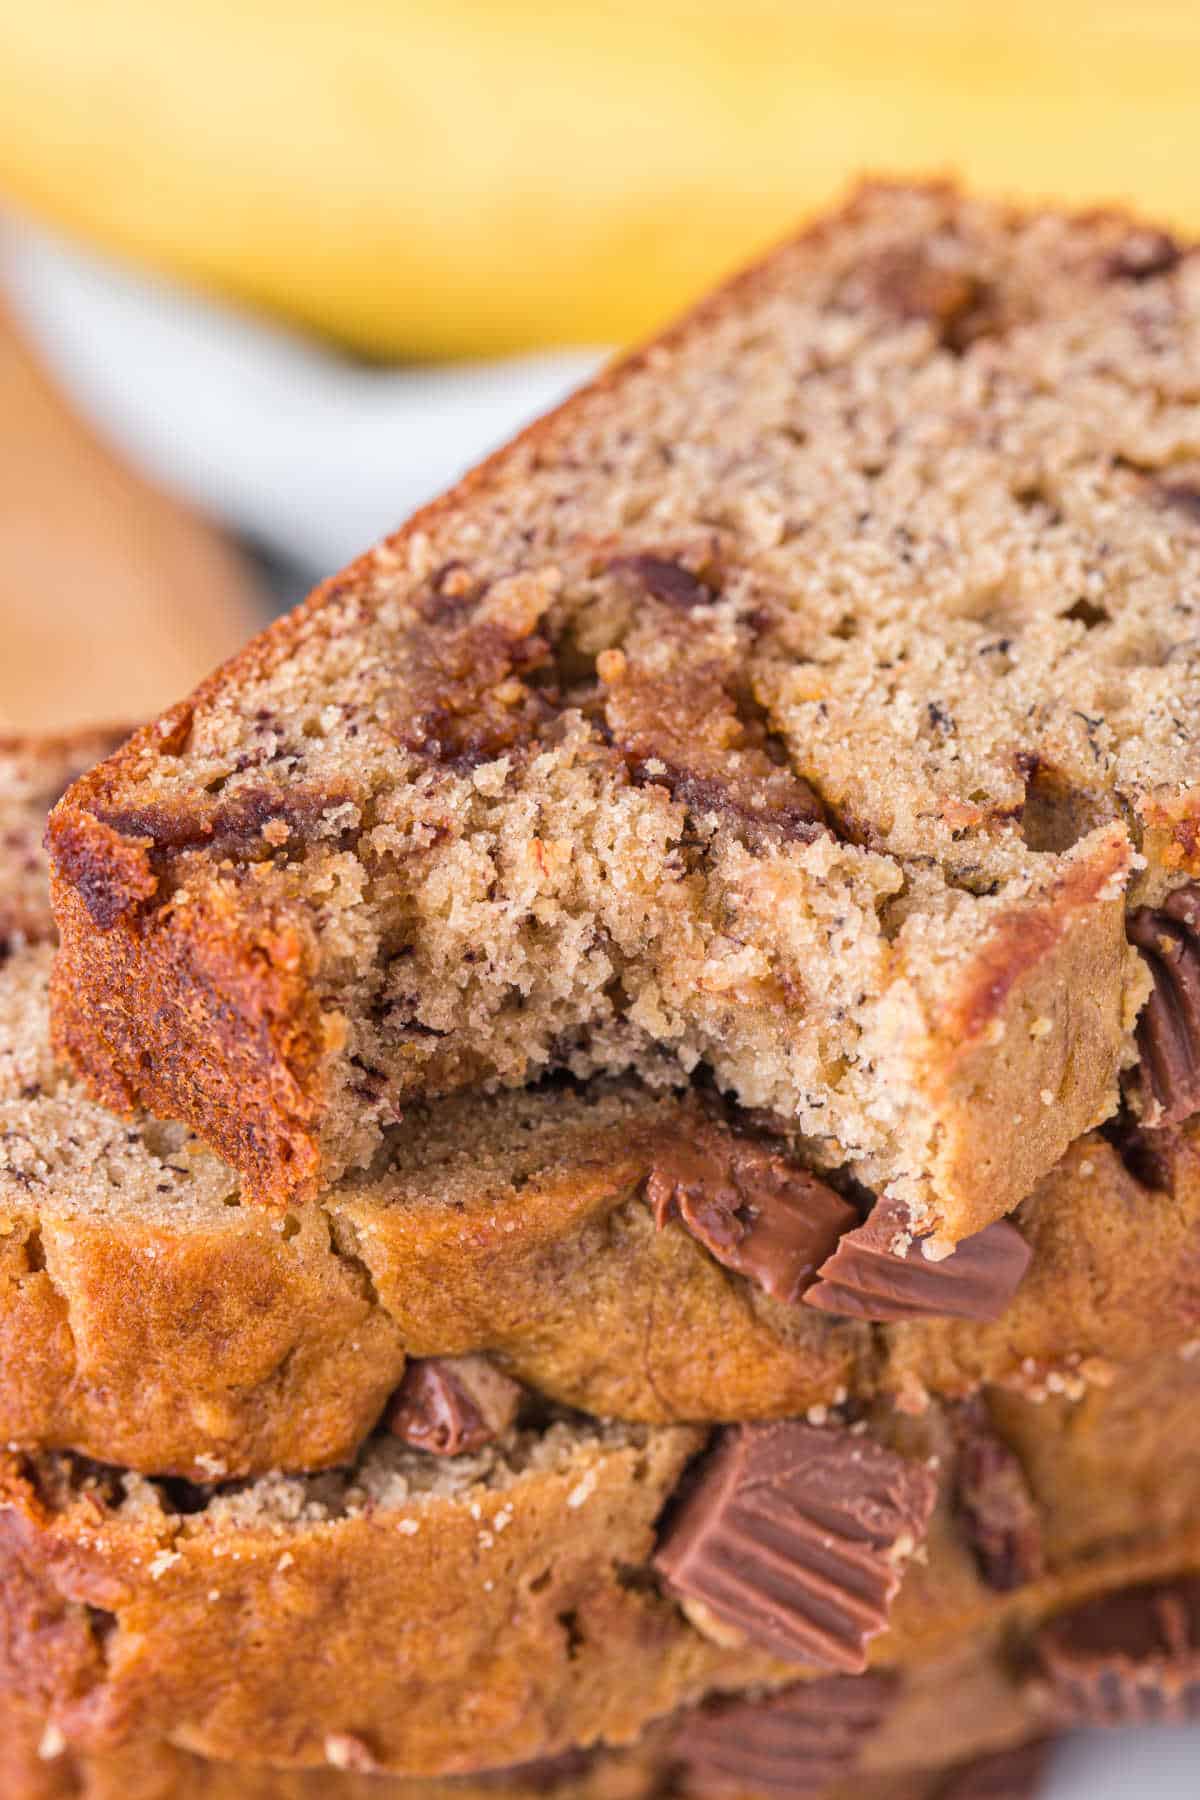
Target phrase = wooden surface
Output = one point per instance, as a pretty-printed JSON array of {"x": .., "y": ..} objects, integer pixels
[{"x": 113, "y": 599}]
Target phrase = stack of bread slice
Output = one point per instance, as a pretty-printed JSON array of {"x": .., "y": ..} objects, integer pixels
[{"x": 598, "y": 1186}]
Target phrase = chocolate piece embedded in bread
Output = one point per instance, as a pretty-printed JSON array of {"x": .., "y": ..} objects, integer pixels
[
  {"x": 452, "y": 1404},
  {"x": 1129, "y": 1658},
  {"x": 796, "y": 1538},
  {"x": 880, "y": 1271},
  {"x": 1015, "y": 1774},
  {"x": 1169, "y": 1027},
  {"x": 710, "y": 723},
  {"x": 794, "y": 1745},
  {"x": 758, "y": 1212},
  {"x": 994, "y": 1499}
]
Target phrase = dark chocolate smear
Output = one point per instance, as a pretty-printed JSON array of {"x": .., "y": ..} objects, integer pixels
[
  {"x": 1005, "y": 1775},
  {"x": 755, "y": 1211},
  {"x": 795, "y": 1536},
  {"x": 866, "y": 1278},
  {"x": 995, "y": 1504},
  {"x": 794, "y": 1744},
  {"x": 1127, "y": 1658},
  {"x": 233, "y": 825},
  {"x": 448, "y": 1405},
  {"x": 1168, "y": 1030}
]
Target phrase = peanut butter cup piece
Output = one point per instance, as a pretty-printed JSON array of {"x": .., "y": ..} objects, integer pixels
[
  {"x": 796, "y": 1539},
  {"x": 1127, "y": 1658},
  {"x": 755, "y": 1211},
  {"x": 880, "y": 1271},
  {"x": 997, "y": 1508},
  {"x": 795, "y": 1744},
  {"x": 1168, "y": 1032},
  {"x": 452, "y": 1404},
  {"x": 1007, "y": 1775}
]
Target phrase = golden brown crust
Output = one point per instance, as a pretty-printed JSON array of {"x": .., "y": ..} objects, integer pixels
[
  {"x": 1073, "y": 942},
  {"x": 272, "y": 1620},
  {"x": 147, "y": 1318},
  {"x": 258, "y": 1076},
  {"x": 163, "y": 1327},
  {"x": 202, "y": 1043}
]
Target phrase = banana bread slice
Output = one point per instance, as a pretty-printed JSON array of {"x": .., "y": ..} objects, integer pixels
[
  {"x": 635, "y": 1254},
  {"x": 448, "y": 1613},
  {"x": 147, "y": 1316},
  {"x": 997, "y": 1728},
  {"x": 810, "y": 698},
  {"x": 996, "y": 1732}
]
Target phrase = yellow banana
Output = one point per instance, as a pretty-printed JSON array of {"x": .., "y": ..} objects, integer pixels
[{"x": 469, "y": 176}]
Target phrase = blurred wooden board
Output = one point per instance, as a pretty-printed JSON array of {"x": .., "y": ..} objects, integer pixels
[
  {"x": 114, "y": 600},
  {"x": 472, "y": 175}
]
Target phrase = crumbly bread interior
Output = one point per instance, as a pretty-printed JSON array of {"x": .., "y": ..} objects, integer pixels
[
  {"x": 728, "y": 714},
  {"x": 388, "y": 1477},
  {"x": 33, "y": 773},
  {"x": 81, "y": 1160}
]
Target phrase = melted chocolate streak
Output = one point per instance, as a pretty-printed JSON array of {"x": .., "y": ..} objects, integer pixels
[{"x": 1169, "y": 1028}]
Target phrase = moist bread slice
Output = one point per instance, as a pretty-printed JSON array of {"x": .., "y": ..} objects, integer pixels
[
  {"x": 449, "y": 1614},
  {"x": 810, "y": 698},
  {"x": 997, "y": 1726},
  {"x": 996, "y": 1730},
  {"x": 150, "y": 1318}
]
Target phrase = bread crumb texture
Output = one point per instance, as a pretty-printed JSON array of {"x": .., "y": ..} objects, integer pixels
[
  {"x": 388, "y": 1603},
  {"x": 803, "y": 701}
]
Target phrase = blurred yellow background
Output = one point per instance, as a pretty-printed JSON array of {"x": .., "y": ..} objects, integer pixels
[{"x": 479, "y": 175}]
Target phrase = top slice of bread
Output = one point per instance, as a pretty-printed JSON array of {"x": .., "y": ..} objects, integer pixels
[{"x": 809, "y": 698}]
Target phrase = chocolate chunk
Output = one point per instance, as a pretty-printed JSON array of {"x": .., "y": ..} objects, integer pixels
[
  {"x": 451, "y": 1404},
  {"x": 1127, "y": 1658},
  {"x": 795, "y": 1744},
  {"x": 1143, "y": 255},
  {"x": 758, "y": 1213},
  {"x": 1168, "y": 1030},
  {"x": 1150, "y": 1157},
  {"x": 464, "y": 698},
  {"x": 667, "y": 580},
  {"x": 995, "y": 1503},
  {"x": 910, "y": 283},
  {"x": 879, "y": 1271},
  {"x": 1006, "y": 1775},
  {"x": 1181, "y": 497},
  {"x": 796, "y": 1538}
]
